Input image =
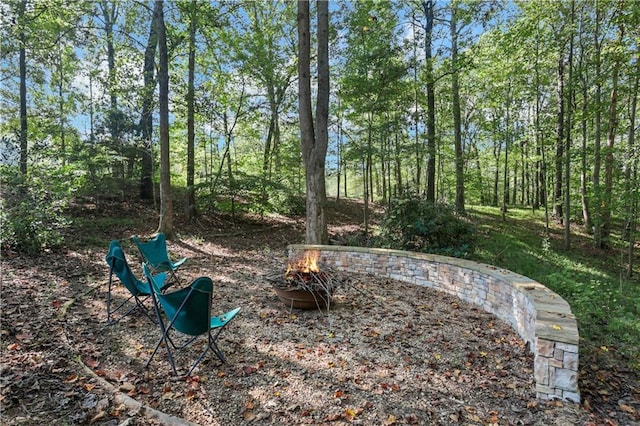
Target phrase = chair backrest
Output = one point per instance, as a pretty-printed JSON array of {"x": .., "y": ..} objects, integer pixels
[
  {"x": 188, "y": 308},
  {"x": 153, "y": 251},
  {"x": 118, "y": 265}
]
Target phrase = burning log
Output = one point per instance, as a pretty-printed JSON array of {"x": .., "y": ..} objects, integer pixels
[{"x": 304, "y": 285}]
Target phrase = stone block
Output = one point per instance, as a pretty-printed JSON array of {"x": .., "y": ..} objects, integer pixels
[
  {"x": 571, "y": 396},
  {"x": 565, "y": 379},
  {"x": 571, "y": 361},
  {"x": 544, "y": 347},
  {"x": 541, "y": 370}
]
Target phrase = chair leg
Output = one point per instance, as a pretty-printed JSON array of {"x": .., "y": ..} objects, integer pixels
[
  {"x": 109, "y": 297},
  {"x": 214, "y": 346},
  {"x": 164, "y": 338}
]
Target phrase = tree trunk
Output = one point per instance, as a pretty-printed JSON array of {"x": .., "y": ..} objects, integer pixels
[
  {"x": 597, "y": 155},
  {"x": 146, "y": 119},
  {"x": 567, "y": 150},
  {"x": 109, "y": 15},
  {"x": 505, "y": 180},
  {"x": 611, "y": 137},
  {"x": 166, "y": 202},
  {"x": 631, "y": 175},
  {"x": 191, "y": 191},
  {"x": 314, "y": 145},
  {"x": 497, "y": 149},
  {"x": 457, "y": 126},
  {"x": 23, "y": 90},
  {"x": 428, "y": 6},
  {"x": 557, "y": 193}
]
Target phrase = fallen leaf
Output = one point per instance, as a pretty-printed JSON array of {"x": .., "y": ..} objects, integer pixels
[
  {"x": 627, "y": 408},
  {"x": 24, "y": 337},
  {"x": 391, "y": 420},
  {"x": 98, "y": 416},
  {"x": 350, "y": 414},
  {"x": 248, "y": 416},
  {"x": 556, "y": 327},
  {"x": 90, "y": 362},
  {"x": 127, "y": 387}
]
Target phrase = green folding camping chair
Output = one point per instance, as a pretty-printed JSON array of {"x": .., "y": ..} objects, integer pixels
[
  {"x": 187, "y": 311},
  {"x": 155, "y": 254},
  {"x": 139, "y": 291}
]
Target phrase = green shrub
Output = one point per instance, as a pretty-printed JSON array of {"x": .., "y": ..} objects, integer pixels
[
  {"x": 414, "y": 224},
  {"x": 31, "y": 213}
]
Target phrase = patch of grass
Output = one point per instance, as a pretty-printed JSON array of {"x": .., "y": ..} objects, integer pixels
[
  {"x": 606, "y": 305},
  {"x": 96, "y": 231}
]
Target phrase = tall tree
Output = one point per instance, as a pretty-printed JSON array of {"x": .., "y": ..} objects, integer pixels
[
  {"x": 166, "y": 201},
  {"x": 146, "y": 119},
  {"x": 611, "y": 131},
  {"x": 631, "y": 171},
  {"x": 314, "y": 141},
  {"x": 191, "y": 191},
  {"x": 569, "y": 122},
  {"x": 23, "y": 86},
  {"x": 455, "y": 106},
  {"x": 597, "y": 140},
  {"x": 427, "y": 7}
]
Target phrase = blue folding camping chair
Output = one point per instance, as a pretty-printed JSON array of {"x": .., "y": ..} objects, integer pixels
[
  {"x": 139, "y": 291},
  {"x": 187, "y": 311},
  {"x": 155, "y": 254}
]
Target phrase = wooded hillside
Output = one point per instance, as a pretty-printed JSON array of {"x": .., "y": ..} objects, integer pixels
[{"x": 468, "y": 102}]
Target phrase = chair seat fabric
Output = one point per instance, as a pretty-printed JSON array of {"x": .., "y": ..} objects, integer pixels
[
  {"x": 155, "y": 254},
  {"x": 139, "y": 290},
  {"x": 188, "y": 311}
]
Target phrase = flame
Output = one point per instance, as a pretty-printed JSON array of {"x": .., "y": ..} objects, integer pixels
[{"x": 306, "y": 264}]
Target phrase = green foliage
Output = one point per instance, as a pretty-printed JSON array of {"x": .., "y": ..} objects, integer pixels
[
  {"x": 414, "y": 224},
  {"x": 606, "y": 306},
  {"x": 289, "y": 203},
  {"x": 31, "y": 211}
]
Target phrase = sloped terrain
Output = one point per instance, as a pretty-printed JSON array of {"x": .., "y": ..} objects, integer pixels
[{"x": 387, "y": 352}]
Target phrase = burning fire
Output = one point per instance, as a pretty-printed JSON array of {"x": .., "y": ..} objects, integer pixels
[{"x": 307, "y": 264}]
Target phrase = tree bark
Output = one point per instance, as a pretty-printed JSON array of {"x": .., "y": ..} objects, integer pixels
[
  {"x": 146, "y": 119},
  {"x": 631, "y": 175},
  {"x": 611, "y": 138},
  {"x": 557, "y": 193},
  {"x": 567, "y": 150},
  {"x": 597, "y": 140},
  {"x": 23, "y": 90},
  {"x": 457, "y": 125},
  {"x": 431, "y": 102},
  {"x": 191, "y": 191},
  {"x": 314, "y": 145},
  {"x": 166, "y": 202}
]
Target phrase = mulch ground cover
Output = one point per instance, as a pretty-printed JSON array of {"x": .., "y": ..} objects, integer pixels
[{"x": 386, "y": 353}]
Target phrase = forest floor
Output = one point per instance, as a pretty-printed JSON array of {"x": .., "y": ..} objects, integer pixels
[{"x": 388, "y": 353}]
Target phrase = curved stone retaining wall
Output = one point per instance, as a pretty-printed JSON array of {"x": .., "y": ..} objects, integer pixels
[{"x": 541, "y": 317}]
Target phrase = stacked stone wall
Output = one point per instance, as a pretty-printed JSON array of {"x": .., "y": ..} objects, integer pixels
[{"x": 542, "y": 318}]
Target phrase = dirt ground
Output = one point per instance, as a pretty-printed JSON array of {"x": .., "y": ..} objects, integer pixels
[{"x": 387, "y": 353}]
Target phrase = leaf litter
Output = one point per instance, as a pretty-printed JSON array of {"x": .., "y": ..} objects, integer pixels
[{"x": 386, "y": 353}]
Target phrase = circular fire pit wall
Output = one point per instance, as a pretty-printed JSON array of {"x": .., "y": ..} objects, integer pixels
[{"x": 541, "y": 317}]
